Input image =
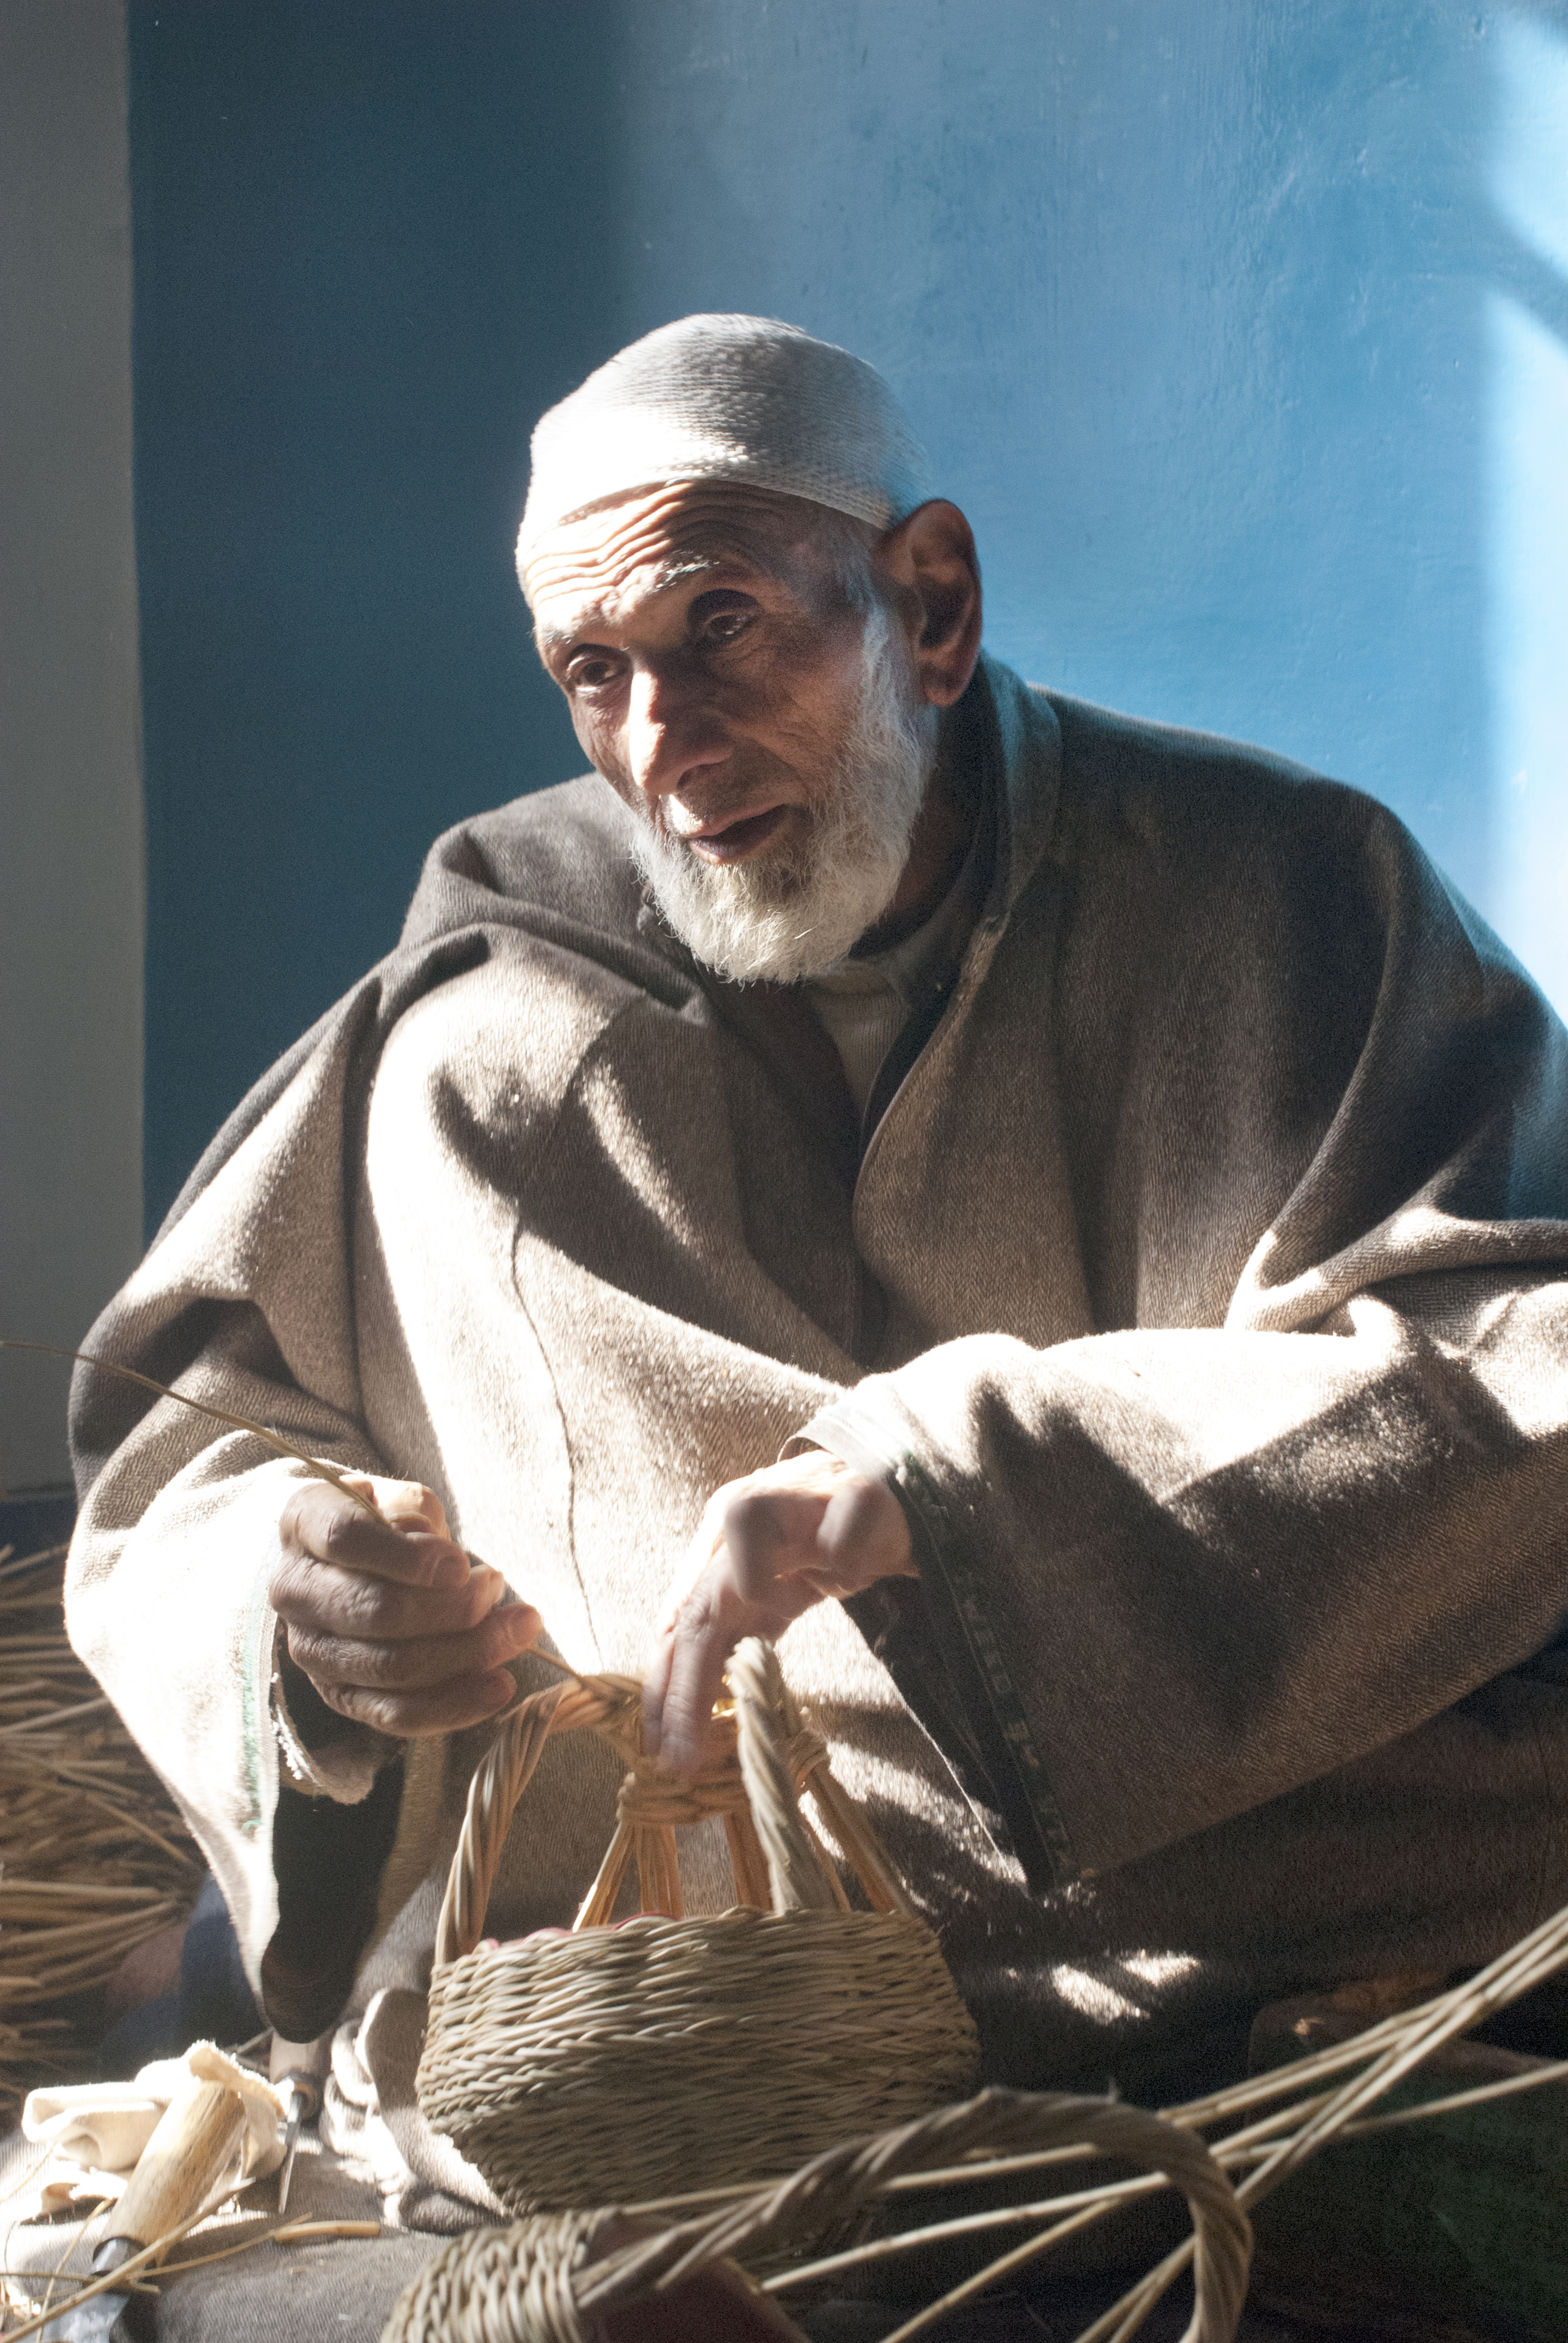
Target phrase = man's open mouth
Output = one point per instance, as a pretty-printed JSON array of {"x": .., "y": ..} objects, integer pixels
[{"x": 737, "y": 839}]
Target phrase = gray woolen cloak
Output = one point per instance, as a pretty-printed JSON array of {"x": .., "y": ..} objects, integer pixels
[{"x": 1201, "y": 1283}]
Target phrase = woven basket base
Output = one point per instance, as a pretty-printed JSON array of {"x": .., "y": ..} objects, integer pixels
[{"x": 622, "y": 2064}]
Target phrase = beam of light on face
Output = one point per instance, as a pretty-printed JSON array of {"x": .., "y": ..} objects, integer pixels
[
  {"x": 798, "y": 908},
  {"x": 1528, "y": 463}
]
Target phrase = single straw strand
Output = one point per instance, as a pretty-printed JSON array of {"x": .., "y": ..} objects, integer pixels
[{"x": 277, "y": 1441}]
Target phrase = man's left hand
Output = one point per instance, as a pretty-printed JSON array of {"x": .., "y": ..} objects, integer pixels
[{"x": 769, "y": 1547}]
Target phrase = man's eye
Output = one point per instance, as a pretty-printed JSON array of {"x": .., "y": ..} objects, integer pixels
[
  {"x": 591, "y": 670},
  {"x": 725, "y": 627}
]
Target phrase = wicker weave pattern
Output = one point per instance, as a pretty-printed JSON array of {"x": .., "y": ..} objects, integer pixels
[
  {"x": 689, "y": 2053},
  {"x": 513, "y": 2282},
  {"x": 674, "y": 2053},
  {"x": 480, "y": 2289}
]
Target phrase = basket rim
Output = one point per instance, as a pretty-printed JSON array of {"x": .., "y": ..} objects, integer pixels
[{"x": 640, "y": 1926}]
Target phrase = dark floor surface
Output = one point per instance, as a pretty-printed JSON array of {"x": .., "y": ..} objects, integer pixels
[{"x": 342, "y": 2291}]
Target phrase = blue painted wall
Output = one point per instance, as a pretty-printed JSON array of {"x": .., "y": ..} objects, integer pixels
[
  {"x": 369, "y": 240},
  {"x": 1238, "y": 331}
]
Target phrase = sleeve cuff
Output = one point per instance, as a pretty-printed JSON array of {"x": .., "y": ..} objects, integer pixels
[
  {"x": 939, "y": 1643},
  {"x": 325, "y": 1755}
]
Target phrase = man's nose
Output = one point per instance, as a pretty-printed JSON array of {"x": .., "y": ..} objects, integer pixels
[{"x": 672, "y": 730}]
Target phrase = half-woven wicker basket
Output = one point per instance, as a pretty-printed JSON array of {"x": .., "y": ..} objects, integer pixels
[{"x": 669, "y": 2053}]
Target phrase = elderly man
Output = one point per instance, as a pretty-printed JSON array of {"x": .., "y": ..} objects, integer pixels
[{"x": 1066, "y": 1218}]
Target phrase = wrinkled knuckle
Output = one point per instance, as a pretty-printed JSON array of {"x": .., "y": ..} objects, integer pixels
[
  {"x": 364, "y": 1705},
  {"x": 471, "y": 1605},
  {"x": 284, "y": 1586},
  {"x": 400, "y": 1667},
  {"x": 367, "y": 1614},
  {"x": 377, "y": 1666},
  {"x": 335, "y": 1537},
  {"x": 309, "y": 1652},
  {"x": 497, "y": 1642},
  {"x": 416, "y": 1557}
]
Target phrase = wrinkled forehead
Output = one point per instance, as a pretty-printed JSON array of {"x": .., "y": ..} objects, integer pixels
[{"x": 640, "y": 546}]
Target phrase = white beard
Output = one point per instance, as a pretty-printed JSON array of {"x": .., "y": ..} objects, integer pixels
[{"x": 793, "y": 912}]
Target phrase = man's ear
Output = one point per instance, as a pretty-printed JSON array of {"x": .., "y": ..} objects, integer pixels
[{"x": 930, "y": 559}]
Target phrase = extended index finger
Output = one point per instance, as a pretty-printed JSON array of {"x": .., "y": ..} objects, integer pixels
[
  {"x": 685, "y": 1675},
  {"x": 325, "y": 1525}
]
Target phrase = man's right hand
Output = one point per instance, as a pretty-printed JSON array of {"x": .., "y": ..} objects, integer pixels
[{"x": 391, "y": 1622}]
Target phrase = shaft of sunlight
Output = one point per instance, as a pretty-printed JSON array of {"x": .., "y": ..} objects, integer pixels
[
  {"x": 1527, "y": 450},
  {"x": 1530, "y": 162}
]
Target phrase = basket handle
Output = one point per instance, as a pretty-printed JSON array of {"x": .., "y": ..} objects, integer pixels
[
  {"x": 609, "y": 1705},
  {"x": 796, "y": 1873},
  {"x": 777, "y": 1749}
]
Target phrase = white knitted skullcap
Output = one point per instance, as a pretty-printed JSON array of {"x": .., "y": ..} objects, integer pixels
[{"x": 727, "y": 398}]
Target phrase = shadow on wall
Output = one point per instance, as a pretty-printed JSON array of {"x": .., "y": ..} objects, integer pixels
[
  {"x": 1238, "y": 332},
  {"x": 372, "y": 241}
]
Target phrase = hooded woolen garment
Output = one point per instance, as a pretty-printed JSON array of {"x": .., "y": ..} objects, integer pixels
[{"x": 1201, "y": 1281}]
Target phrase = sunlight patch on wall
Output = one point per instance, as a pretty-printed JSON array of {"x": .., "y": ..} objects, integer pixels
[
  {"x": 1529, "y": 172},
  {"x": 1529, "y": 654},
  {"x": 1528, "y": 500}
]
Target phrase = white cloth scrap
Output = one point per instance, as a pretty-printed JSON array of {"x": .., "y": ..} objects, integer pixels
[
  {"x": 96, "y": 2131},
  {"x": 727, "y": 398}
]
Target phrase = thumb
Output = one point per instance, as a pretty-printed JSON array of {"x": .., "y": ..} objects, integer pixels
[{"x": 404, "y": 1504}]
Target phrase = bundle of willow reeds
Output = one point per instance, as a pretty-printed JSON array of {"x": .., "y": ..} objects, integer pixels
[{"x": 93, "y": 1857}]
